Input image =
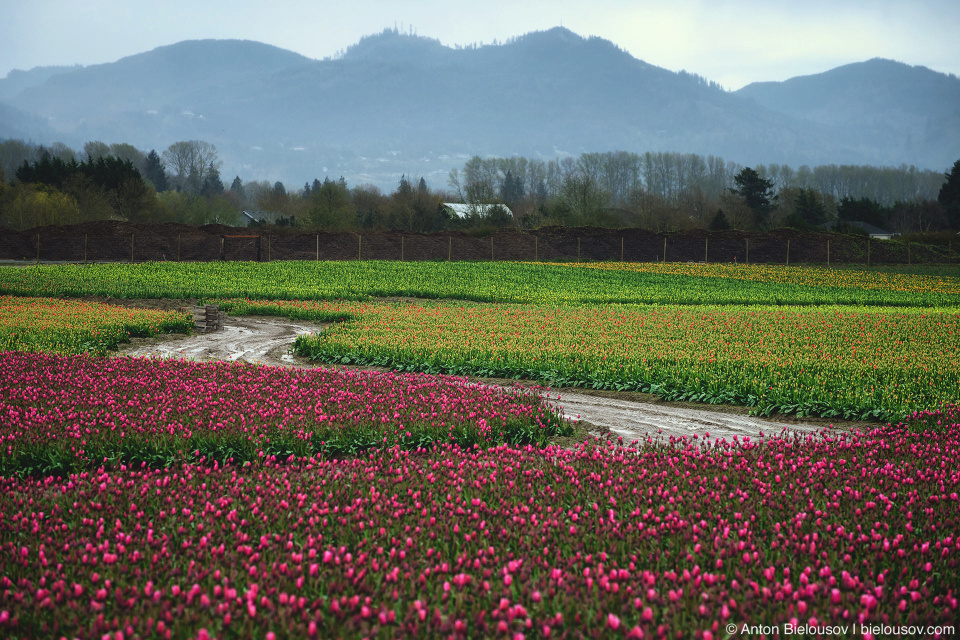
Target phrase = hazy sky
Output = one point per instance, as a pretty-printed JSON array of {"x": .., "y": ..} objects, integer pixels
[{"x": 733, "y": 42}]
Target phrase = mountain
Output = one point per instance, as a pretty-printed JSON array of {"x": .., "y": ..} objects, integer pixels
[
  {"x": 15, "y": 123},
  {"x": 396, "y": 103},
  {"x": 112, "y": 100},
  {"x": 17, "y": 80},
  {"x": 916, "y": 108}
]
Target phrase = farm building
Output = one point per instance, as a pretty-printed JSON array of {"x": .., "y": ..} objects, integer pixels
[
  {"x": 460, "y": 210},
  {"x": 874, "y": 232},
  {"x": 251, "y": 217}
]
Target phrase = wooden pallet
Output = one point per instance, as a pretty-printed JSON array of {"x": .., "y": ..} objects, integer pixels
[{"x": 208, "y": 318}]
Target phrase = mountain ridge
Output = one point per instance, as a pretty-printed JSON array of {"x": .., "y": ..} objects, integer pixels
[{"x": 397, "y": 103}]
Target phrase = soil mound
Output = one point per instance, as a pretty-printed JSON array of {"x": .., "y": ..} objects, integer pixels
[{"x": 112, "y": 241}]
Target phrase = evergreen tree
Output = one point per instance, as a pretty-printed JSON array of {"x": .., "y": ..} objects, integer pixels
[
  {"x": 212, "y": 185},
  {"x": 757, "y": 192},
  {"x": 193, "y": 183},
  {"x": 808, "y": 209},
  {"x": 237, "y": 187},
  {"x": 863, "y": 210},
  {"x": 106, "y": 172},
  {"x": 949, "y": 196},
  {"x": 511, "y": 190},
  {"x": 48, "y": 170},
  {"x": 498, "y": 216},
  {"x": 155, "y": 172},
  {"x": 719, "y": 222},
  {"x": 108, "y": 180},
  {"x": 400, "y": 209},
  {"x": 330, "y": 205}
]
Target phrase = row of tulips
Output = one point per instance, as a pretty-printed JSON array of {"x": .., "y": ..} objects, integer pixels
[
  {"x": 855, "y": 363},
  {"x": 940, "y": 417},
  {"x": 75, "y": 326},
  {"x": 674, "y": 539},
  {"x": 537, "y": 283},
  {"x": 64, "y": 413},
  {"x": 882, "y": 279}
]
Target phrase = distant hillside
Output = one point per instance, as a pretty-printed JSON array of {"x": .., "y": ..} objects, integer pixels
[
  {"x": 396, "y": 103},
  {"x": 916, "y": 109},
  {"x": 15, "y": 123},
  {"x": 18, "y": 80},
  {"x": 147, "y": 82}
]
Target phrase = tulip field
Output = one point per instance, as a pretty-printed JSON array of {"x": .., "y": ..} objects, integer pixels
[
  {"x": 662, "y": 540},
  {"x": 526, "y": 283},
  {"x": 68, "y": 413},
  {"x": 847, "y": 362},
  {"x": 66, "y": 326},
  {"x": 168, "y": 499}
]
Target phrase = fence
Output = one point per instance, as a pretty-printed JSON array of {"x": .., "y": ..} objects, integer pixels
[{"x": 630, "y": 245}]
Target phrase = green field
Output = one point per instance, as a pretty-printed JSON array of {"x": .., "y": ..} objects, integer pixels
[{"x": 524, "y": 283}]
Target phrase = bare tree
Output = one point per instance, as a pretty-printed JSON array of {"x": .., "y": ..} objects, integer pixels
[
  {"x": 737, "y": 211},
  {"x": 480, "y": 180},
  {"x": 191, "y": 159},
  {"x": 62, "y": 151},
  {"x": 95, "y": 149},
  {"x": 124, "y": 151},
  {"x": 453, "y": 181}
]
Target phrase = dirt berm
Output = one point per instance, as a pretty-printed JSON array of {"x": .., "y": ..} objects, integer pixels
[{"x": 112, "y": 241}]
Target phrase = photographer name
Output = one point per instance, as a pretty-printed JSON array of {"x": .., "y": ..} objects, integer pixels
[{"x": 867, "y": 630}]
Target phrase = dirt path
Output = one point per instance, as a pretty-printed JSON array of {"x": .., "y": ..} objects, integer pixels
[
  {"x": 267, "y": 340},
  {"x": 635, "y": 420},
  {"x": 254, "y": 339}
]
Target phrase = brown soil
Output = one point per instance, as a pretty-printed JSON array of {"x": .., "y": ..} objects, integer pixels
[{"x": 112, "y": 241}]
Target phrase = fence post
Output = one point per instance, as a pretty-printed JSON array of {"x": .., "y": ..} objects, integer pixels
[
  {"x": 664, "y": 248},
  {"x": 178, "y": 247},
  {"x": 706, "y": 247},
  {"x": 450, "y": 249},
  {"x": 359, "y": 247},
  {"x": 621, "y": 248},
  {"x": 131, "y": 247},
  {"x": 318, "y": 247},
  {"x": 908, "y": 252},
  {"x": 868, "y": 251},
  {"x": 828, "y": 252},
  {"x": 221, "y": 248},
  {"x": 401, "y": 248},
  {"x": 491, "y": 248},
  {"x": 38, "y": 249},
  {"x": 84, "y": 248},
  {"x": 536, "y": 249},
  {"x": 268, "y": 248},
  {"x": 788, "y": 252},
  {"x": 748, "y": 250}
]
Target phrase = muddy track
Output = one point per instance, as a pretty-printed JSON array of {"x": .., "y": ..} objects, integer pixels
[
  {"x": 267, "y": 340},
  {"x": 254, "y": 339}
]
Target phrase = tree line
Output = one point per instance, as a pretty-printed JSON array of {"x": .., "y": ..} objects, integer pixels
[
  {"x": 665, "y": 191},
  {"x": 660, "y": 191}
]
